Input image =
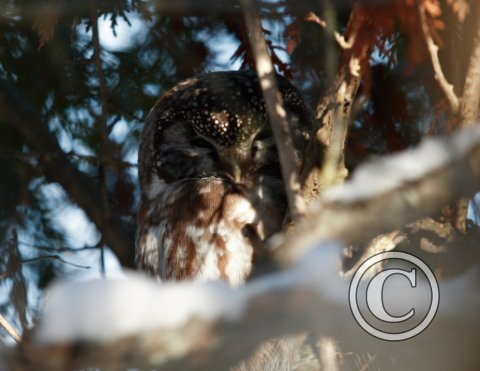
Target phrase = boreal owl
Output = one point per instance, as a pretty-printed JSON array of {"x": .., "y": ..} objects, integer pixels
[{"x": 211, "y": 185}]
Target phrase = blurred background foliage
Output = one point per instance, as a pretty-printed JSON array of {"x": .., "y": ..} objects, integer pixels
[{"x": 48, "y": 57}]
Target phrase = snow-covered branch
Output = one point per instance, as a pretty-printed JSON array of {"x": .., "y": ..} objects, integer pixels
[
  {"x": 390, "y": 192},
  {"x": 136, "y": 323},
  {"x": 181, "y": 325}
]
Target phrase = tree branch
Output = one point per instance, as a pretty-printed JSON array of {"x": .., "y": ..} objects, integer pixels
[
  {"x": 10, "y": 329},
  {"x": 468, "y": 113},
  {"x": 137, "y": 324},
  {"x": 333, "y": 168},
  {"x": 97, "y": 58},
  {"x": 57, "y": 168},
  {"x": 54, "y": 257},
  {"x": 368, "y": 206},
  {"x": 104, "y": 142},
  {"x": 334, "y": 112},
  {"x": 30, "y": 156},
  {"x": 471, "y": 90},
  {"x": 275, "y": 109},
  {"x": 447, "y": 88}
]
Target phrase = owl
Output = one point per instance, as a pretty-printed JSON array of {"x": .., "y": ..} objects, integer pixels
[{"x": 211, "y": 186}]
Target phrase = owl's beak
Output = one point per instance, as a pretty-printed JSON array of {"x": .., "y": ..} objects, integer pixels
[
  {"x": 233, "y": 162},
  {"x": 237, "y": 173}
]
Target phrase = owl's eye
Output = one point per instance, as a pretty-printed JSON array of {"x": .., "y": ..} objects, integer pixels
[
  {"x": 254, "y": 149},
  {"x": 264, "y": 134},
  {"x": 201, "y": 143}
]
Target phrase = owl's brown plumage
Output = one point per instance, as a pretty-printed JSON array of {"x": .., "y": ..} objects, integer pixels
[{"x": 211, "y": 185}]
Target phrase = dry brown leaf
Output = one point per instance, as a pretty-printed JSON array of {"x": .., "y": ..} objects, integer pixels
[
  {"x": 355, "y": 67},
  {"x": 312, "y": 17},
  {"x": 292, "y": 34},
  {"x": 45, "y": 27},
  {"x": 432, "y": 8},
  {"x": 293, "y": 31}
]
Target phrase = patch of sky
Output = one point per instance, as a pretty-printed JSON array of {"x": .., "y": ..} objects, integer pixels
[
  {"x": 126, "y": 35},
  {"x": 474, "y": 209},
  {"x": 80, "y": 232},
  {"x": 72, "y": 220},
  {"x": 152, "y": 89},
  {"x": 223, "y": 45},
  {"x": 120, "y": 131}
]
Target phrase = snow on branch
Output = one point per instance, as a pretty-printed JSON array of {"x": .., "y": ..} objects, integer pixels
[
  {"x": 136, "y": 323},
  {"x": 388, "y": 193}
]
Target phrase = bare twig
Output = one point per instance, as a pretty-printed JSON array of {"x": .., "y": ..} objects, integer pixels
[
  {"x": 97, "y": 57},
  {"x": 93, "y": 159},
  {"x": 331, "y": 52},
  {"x": 276, "y": 111},
  {"x": 18, "y": 293},
  {"x": 54, "y": 257},
  {"x": 344, "y": 44},
  {"x": 10, "y": 329},
  {"x": 59, "y": 248},
  {"x": 124, "y": 112},
  {"x": 433, "y": 51},
  {"x": 102, "y": 160},
  {"x": 340, "y": 39}
]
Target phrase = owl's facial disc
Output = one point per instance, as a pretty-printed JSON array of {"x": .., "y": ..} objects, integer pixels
[{"x": 233, "y": 141}]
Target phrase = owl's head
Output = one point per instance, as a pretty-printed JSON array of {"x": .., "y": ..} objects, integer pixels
[
  {"x": 217, "y": 125},
  {"x": 243, "y": 143}
]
